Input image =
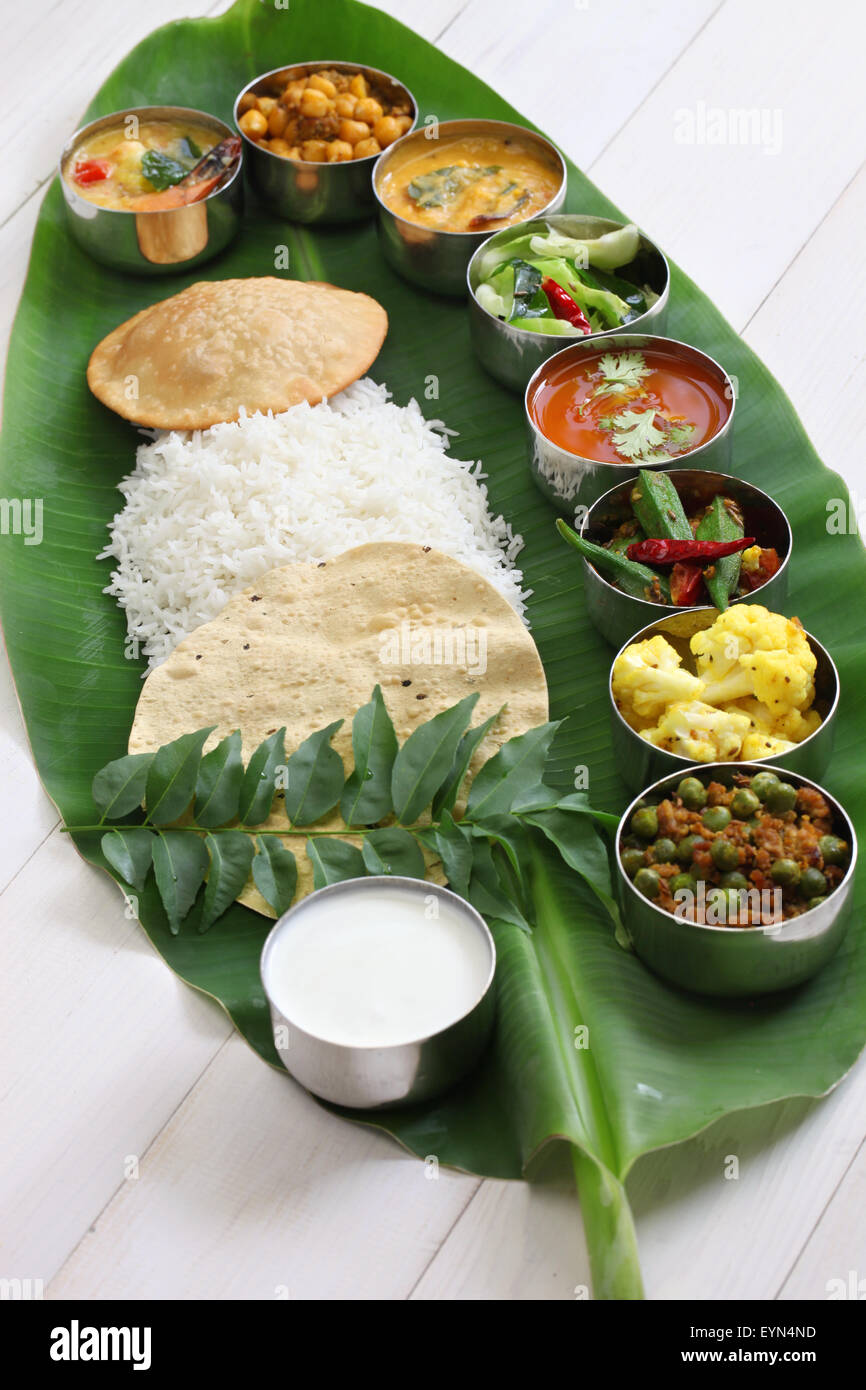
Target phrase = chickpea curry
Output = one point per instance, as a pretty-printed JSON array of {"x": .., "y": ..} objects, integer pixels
[
  {"x": 469, "y": 183},
  {"x": 326, "y": 117}
]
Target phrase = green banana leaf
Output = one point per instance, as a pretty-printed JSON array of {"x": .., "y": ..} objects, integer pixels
[{"x": 590, "y": 1048}]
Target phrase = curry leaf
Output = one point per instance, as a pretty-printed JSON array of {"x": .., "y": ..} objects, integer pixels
[
  {"x": 334, "y": 860},
  {"x": 509, "y": 834},
  {"x": 539, "y": 797},
  {"x": 230, "y": 857},
  {"x": 579, "y": 802},
  {"x": 315, "y": 777},
  {"x": 393, "y": 851},
  {"x": 275, "y": 873},
  {"x": 129, "y": 850},
  {"x": 518, "y": 764},
  {"x": 180, "y": 862},
  {"x": 259, "y": 784},
  {"x": 447, "y": 794},
  {"x": 172, "y": 775},
  {"x": 118, "y": 788},
  {"x": 453, "y": 843},
  {"x": 424, "y": 762},
  {"x": 218, "y": 784},
  {"x": 366, "y": 796},
  {"x": 487, "y": 892},
  {"x": 583, "y": 850}
]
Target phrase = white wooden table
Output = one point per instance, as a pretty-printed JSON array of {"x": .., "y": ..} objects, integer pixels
[{"x": 147, "y": 1152}]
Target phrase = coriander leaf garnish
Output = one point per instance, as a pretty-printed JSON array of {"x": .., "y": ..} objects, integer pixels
[
  {"x": 645, "y": 436},
  {"x": 621, "y": 373},
  {"x": 679, "y": 435},
  {"x": 637, "y": 436}
]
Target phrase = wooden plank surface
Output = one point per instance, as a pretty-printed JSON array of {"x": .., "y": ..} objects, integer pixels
[{"x": 246, "y": 1188}]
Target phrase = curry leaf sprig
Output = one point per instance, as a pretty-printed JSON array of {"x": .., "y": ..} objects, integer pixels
[{"x": 206, "y": 823}]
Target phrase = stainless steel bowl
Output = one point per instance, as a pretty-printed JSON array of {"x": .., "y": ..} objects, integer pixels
[
  {"x": 369, "y": 1077},
  {"x": 639, "y": 762},
  {"x": 569, "y": 480},
  {"x": 736, "y": 961},
  {"x": 616, "y": 614},
  {"x": 511, "y": 354},
  {"x": 303, "y": 191},
  {"x": 153, "y": 243},
  {"x": 437, "y": 260}
]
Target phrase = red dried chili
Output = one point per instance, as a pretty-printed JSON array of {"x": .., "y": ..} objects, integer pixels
[
  {"x": 669, "y": 552},
  {"x": 563, "y": 306}
]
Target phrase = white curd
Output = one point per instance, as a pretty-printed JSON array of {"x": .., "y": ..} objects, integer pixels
[{"x": 377, "y": 967}]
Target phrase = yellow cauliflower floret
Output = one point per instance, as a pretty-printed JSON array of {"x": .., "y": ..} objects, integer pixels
[
  {"x": 790, "y": 725},
  {"x": 759, "y": 715},
  {"x": 647, "y": 678},
  {"x": 698, "y": 731},
  {"x": 750, "y": 651},
  {"x": 796, "y": 725},
  {"x": 763, "y": 745},
  {"x": 777, "y": 680}
]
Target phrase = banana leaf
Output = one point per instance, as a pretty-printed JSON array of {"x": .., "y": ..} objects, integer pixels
[{"x": 590, "y": 1049}]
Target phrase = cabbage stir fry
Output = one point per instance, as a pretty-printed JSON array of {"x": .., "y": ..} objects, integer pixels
[{"x": 551, "y": 283}]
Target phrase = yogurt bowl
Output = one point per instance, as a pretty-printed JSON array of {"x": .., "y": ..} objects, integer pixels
[{"x": 380, "y": 990}]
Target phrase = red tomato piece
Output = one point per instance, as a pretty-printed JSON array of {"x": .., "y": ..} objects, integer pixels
[{"x": 92, "y": 170}]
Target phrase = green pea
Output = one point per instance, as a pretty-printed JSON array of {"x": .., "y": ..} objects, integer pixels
[
  {"x": 664, "y": 851},
  {"x": 781, "y": 798},
  {"x": 647, "y": 881},
  {"x": 744, "y": 803},
  {"x": 785, "y": 872},
  {"x": 724, "y": 854},
  {"x": 813, "y": 884},
  {"x": 632, "y": 860},
  {"x": 716, "y": 817},
  {"x": 833, "y": 850},
  {"x": 763, "y": 783},
  {"x": 692, "y": 793},
  {"x": 683, "y": 882},
  {"x": 735, "y": 879},
  {"x": 645, "y": 823},
  {"x": 686, "y": 848},
  {"x": 814, "y": 902}
]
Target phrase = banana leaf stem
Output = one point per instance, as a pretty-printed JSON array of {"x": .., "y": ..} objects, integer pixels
[{"x": 609, "y": 1228}]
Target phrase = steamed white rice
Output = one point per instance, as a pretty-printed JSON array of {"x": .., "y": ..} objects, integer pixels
[{"x": 207, "y": 513}]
